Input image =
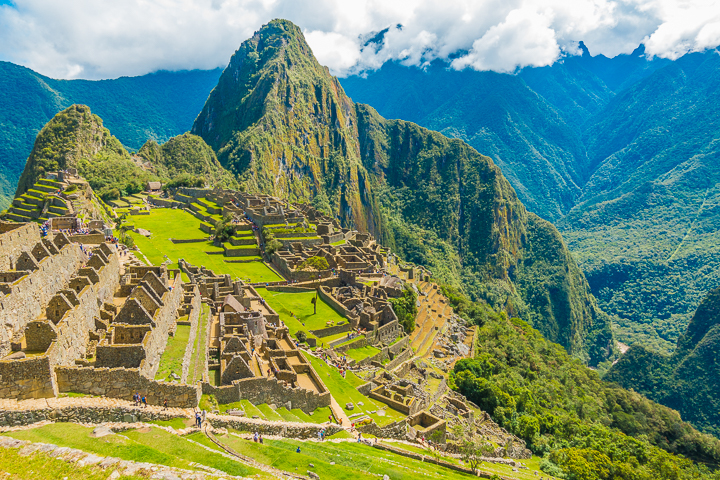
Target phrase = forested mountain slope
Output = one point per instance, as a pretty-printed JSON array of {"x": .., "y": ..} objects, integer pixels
[
  {"x": 619, "y": 152},
  {"x": 158, "y": 106},
  {"x": 284, "y": 125},
  {"x": 689, "y": 379}
]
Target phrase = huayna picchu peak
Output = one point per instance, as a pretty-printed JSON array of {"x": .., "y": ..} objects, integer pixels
[{"x": 285, "y": 126}]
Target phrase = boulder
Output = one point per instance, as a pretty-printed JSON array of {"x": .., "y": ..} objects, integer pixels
[
  {"x": 101, "y": 431},
  {"x": 349, "y": 406}
]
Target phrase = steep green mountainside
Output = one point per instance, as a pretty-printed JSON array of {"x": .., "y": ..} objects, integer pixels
[
  {"x": 186, "y": 153},
  {"x": 689, "y": 379},
  {"x": 618, "y": 152},
  {"x": 158, "y": 106},
  {"x": 77, "y": 138},
  {"x": 499, "y": 115},
  {"x": 646, "y": 228},
  {"x": 588, "y": 428},
  {"x": 284, "y": 125}
]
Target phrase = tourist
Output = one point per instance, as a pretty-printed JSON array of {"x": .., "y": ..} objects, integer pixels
[
  {"x": 255, "y": 437},
  {"x": 359, "y": 437},
  {"x": 320, "y": 435},
  {"x": 165, "y": 404},
  {"x": 144, "y": 401},
  {"x": 298, "y": 449},
  {"x": 260, "y": 440}
]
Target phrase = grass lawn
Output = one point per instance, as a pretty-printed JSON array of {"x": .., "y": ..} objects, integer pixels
[
  {"x": 299, "y": 304},
  {"x": 167, "y": 223},
  {"x": 344, "y": 391},
  {"x": 172, "y": 357},
  {"x": 343, "y": 461},
  {"x": 359, "y": 354},
  {"x": 40, "y": 466},
  {"x": 269, "y": 413},
  {"x": 197, "y": 359}
]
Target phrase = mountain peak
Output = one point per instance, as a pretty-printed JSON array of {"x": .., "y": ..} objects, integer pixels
[{"x": 584, "y": 49}]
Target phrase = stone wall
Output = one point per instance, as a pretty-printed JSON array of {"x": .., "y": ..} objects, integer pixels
[
  {"x": 15, "y": 239},
  {"x": 285, "y": 429},
  {"x": 404, "y": 356},
  {"x": 289, "y": 289},
  {"x": 264, "y": 390},
  {"x": 164, "y": 319},
  {"x": 26, "y": 378},
  {"x": 193, "y": 317},
  {"x": 89, "y": 239},
  {"x": 123, "y": 383},
  {"x": 326, "y": 332},
  {"x": 31, "y": 293},
  {"x": 334, "y": 304}
]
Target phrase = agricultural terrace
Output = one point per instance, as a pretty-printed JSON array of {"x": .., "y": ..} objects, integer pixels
[
  {"x": 165, "y": 224},
  {"x": 300, "y": 305}
]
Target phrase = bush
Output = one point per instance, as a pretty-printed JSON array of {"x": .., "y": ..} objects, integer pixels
[
  {"x": 273, "y": 246},
  {"x": 223, "y": 230},
  {"x": 405, "y": 308},
  {"x": 314, "y": 263},
  {"x": 301, "y": 336}
]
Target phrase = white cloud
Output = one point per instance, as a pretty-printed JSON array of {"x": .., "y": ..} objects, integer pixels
[{"x": 105, "y": 39}]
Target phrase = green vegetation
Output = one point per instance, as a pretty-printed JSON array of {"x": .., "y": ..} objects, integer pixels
[
  {"x": 359, "y": 354},
  {"x": 314, "y": 263},
  {"x": 687, "y": 380},
  {"x": 197, "y": 359},
  {"x": 172, "y": 357},
  {"x": 159, "y": 105},
  {"x": 344, "y": 461},
  {"x": 344, "y": 390},
  {"x": 562, "y": 409},
  {"x": 189, "y": 155},
  {"x": 175, "y": 223},
  {"x": 296, "y": 310},
  {"x": 40, "y": 466},
  {"x": 406, "y": 309},
  {"x": 154, "y": 446}
]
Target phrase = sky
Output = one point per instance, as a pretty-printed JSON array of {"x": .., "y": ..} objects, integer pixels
[{"x": 98, "y": 39}]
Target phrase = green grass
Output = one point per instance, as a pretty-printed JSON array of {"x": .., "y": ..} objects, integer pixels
[
  {"x": 41, "y": 466},
  {"x": 165, "y": 223},
  {"x": 344, "y": 461},
  {"x": 359, "y": 354},
  {"x": 269, "y": 413},
  {"x": 287, "y": 415},
  {"x": 339, "y": 242},
  {"x": 172, "y": 357},
  {"x": 76, "y": 436},
  {"x": 197, "y": 359},
  {"x": 344, "y": 391},
  {"x": 299, "y": 304},
  {"x": 176, "y": 423}
]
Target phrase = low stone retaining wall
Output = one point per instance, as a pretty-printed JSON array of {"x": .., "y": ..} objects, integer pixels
[
  {"x": 193, "y": 240},
  {"x": 123, "y": 383},
  {"x": 82, "y": 414},
  {"x": 334, "y": 330},
  {"x": 285, "y": 429},
  {"x": 289, "y": 289}
]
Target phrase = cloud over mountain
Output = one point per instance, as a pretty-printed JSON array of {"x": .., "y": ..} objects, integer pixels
[{"x": 90, "y": 39}]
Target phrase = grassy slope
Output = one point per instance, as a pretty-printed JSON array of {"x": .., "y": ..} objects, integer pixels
[
  {"x": 174, "y": 223},
  {"x": 299, "y": 305},
  {"x": 172, "y": 357}
]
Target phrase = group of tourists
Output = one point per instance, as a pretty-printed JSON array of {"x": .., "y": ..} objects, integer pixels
[
  {"x": 141, "y": 400},
  {"x": 257, "y": 437}
]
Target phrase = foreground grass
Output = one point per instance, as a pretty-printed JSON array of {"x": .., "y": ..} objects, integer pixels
[
  {"x": 40, "y": 466},
  {"x": 152, "y": 445},
  {"x": 343, "y": 461},
  {"x": 197, "y": 358},
  {"x": 359, "y": 354},
  {"x": 172, "y": 357}
]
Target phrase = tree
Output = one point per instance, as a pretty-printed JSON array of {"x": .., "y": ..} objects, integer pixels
[
  {"x": 223, "y": 230},
  {"x": 405, "y": 308},
  {"x": 314, "y": 263},
  {"x": 273, "y": 246},
  {"x": 472, "y": 447},
  {"x": 301, "y": 336}
]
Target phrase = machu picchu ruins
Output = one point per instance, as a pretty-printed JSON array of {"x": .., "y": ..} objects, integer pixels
[{"x": 84, "y": 314}]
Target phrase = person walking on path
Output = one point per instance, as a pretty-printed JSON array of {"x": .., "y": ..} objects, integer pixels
[
  {"x": 144, "y": 401},
  {"x": 165, "y": 404}
]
